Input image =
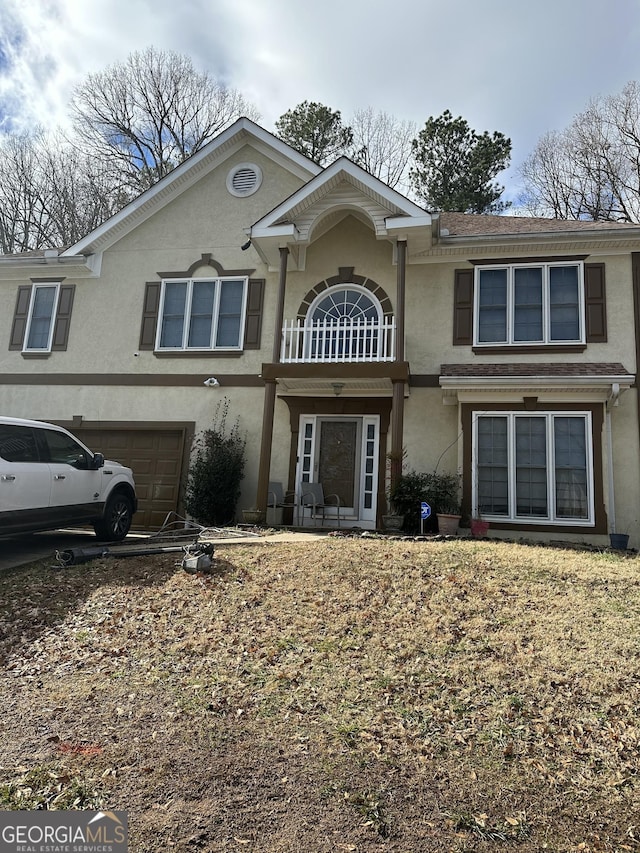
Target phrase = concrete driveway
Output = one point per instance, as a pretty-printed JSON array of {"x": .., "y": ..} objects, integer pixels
[
  {"x": 20, "y": 550},
  {"x": 29, "y": 547}
]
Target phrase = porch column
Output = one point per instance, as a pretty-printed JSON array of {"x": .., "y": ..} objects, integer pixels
[
  {"x": 397, "y": 404},
  {"x": 262, "y": 496}
]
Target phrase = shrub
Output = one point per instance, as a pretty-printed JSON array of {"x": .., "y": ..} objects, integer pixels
[
  {"x": 213, "y": 486},
  {"x": 440, "y": 491}
]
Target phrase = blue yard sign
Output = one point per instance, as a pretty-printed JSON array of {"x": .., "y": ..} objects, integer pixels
[{"x": 425, "y": 512}]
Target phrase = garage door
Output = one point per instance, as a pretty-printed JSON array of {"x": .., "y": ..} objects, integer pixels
[{"x": 156, "y": 457}]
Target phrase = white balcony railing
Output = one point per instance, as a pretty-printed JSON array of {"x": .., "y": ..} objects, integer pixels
[{"x": 337, "y": 341}]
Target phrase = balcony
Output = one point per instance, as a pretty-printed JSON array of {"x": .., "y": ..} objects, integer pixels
[{"x": 338, "y": 341}]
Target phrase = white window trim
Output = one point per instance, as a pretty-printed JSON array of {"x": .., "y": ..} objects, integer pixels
[
  {"x": 546, "y": 316},
  {"x": 38, "y": 285},
  {"x": 348, "y": 285},
  {"x": 550, "y": 518},
  {"x": 329, "y": 329},
  {"x": 214, "y": 322}
]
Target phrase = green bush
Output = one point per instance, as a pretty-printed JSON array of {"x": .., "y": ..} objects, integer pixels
[
  {"x": 215, "y": 474},
  {"x": 440, "y": 491}
]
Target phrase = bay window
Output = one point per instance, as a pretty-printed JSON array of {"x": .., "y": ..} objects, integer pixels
[{"x": 533, "y": 468}]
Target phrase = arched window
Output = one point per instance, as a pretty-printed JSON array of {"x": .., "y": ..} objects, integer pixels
[{"x": 345, "y": 324}]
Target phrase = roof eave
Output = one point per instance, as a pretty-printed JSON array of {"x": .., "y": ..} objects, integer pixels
[
  {"x": 625, "y": 381},
  {"x": 539, "y": 237}
]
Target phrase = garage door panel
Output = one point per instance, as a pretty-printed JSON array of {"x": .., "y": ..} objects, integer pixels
[
  {"x": 144, "y": 441},
  {"x": 142, "y": 466},
  {"x": 164, "y": 492},
  {"x": 168, "y": 467},
  {"x": 168, "y": 442}
]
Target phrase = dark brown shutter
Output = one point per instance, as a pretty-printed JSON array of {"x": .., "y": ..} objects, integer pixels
[
  {"x": 20, "y": 318},
  {"x": 63, "y": 317},
  {"x": 463, "y": 308},
  {"x": 595, "y": 303},
  {"x": 150, "y": 315},
  {"x": 253, "y": 322}
]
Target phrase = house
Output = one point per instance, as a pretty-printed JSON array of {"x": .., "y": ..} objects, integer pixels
[{"x": 344, "y": 324}]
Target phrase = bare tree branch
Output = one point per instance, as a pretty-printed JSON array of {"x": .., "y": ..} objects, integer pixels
[
  {"x": 149, "y": 113},
  {"x": 382, "y": 146},
  {"x": 591, "y": 170}
]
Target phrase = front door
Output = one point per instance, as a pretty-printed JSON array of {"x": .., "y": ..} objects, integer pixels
[{"x": 341, "y": 453}]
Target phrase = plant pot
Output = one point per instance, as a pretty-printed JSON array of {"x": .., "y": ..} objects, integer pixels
[
  {"x": 619, "y": 541},
  {"x": 392, "y": 523},
  {"x": 253, "y": 516},
  {"x": 274, "y": 516},
  {"x": 448, "y": 524},
  {"x": 479, "y": 528}
]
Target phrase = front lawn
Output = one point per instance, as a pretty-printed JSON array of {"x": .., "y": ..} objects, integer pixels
[{"x": 345, "y": 695}]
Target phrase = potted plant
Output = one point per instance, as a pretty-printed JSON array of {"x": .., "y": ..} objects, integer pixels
[
  {"x": 253, "y": 516},
  {"x": 392, "y": 521},
  {"x": 440, "y": 491},
  {"x": 447, "y": 505},
  {"x": 479, "y": 527}
]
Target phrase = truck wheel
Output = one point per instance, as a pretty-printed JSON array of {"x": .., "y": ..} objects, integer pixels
[{"x": 116, "y": 521}]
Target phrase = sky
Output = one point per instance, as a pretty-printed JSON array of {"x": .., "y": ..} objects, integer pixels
[{"x": 519, "y": 67}]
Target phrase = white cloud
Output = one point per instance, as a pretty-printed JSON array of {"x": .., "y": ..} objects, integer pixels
[{"x": 518, "y": 68}]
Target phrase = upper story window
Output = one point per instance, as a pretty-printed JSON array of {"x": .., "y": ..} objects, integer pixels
[
  {"x": 344, "y": 304},
  {"x": 345, "y": 324},
  {"x": 529, "y": 304},
  {"x": 202, "y": 314},
  {"x": 41, "y": 316}
]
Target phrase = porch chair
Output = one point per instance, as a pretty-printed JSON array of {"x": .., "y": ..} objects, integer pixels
[
  {"x": 319, "y": 504},
  {"x": 277, "y": 500}
]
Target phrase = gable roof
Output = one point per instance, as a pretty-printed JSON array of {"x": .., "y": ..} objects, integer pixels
[
  {"x": 187, "y": 174},
  {"x": 341, "y": 187}
]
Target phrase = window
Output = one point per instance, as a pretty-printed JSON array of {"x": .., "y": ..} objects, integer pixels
[
  {"x": 202, "y": 314},
  {"x": 63, "y": 450},
  {"x": 345, "y": 323},
  {"x": 41, "y": 315},
  {"x": 534, "y": 468},
  {"x": 529, "y": 304},
  {"x": 42, "y": 318},
  {"x": 18, "y": 444}
]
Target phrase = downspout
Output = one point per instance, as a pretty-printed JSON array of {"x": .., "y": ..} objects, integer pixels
[
  {"x": 397, "y": 403},
  {"x": 635, "y": 278},
  {"x": 262, "y": 494},
  {"x": 612, "y": 400}
]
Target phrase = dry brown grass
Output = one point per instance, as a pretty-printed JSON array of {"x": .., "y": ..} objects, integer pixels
[{"x": 354, "y": 695}]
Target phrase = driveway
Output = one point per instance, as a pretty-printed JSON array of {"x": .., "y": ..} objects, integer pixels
[
  {"x": 20, "y": 550},
  {"x": 29, "y": 547}
]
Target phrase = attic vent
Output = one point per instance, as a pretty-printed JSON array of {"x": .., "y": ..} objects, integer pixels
[{"x": 244, "y": 179}]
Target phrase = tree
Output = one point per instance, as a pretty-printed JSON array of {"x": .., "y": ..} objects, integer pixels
[
  {"x": 315, "y": 131},
  {"x": 590, "y": 170},
  {"x": 149, "y": 113},
  {"x": 51, "y": 195},
  {"x": 382, "y": 146},
  {"x": 454, "y": 166}
]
